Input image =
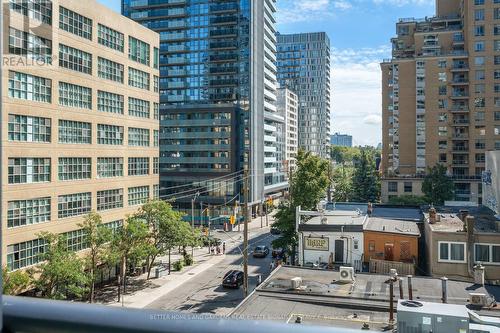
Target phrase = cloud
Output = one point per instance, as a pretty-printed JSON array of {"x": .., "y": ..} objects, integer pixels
[
  {"x": 306, "y": 10},
  {"x": 401, "y": 3},
  {"x": 312, "y": 4},
  {"x": 342, "y": 5},
  {"x": 356, "y": 93}
]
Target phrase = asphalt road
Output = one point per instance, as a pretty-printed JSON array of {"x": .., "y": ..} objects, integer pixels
[{"x": 204, "y": 293}]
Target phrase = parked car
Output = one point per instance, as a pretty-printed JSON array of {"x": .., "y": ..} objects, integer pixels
[
  {"x": 278, "y": 252},
  {"x": 275, "y": 231},
  {"x": 232, "y": 279},
  {"x": 261, "y": 251}
]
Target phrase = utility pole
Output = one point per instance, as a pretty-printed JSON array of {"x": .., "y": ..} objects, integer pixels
[
  {"x": 261, "y": 208},
  {"x": 245, "y": 234}
]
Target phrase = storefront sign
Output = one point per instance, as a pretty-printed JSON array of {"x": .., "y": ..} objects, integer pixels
[{"x": 316, "y": 243}]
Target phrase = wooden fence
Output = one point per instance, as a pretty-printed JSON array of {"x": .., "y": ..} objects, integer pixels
[{"x": 384, "y": 267}]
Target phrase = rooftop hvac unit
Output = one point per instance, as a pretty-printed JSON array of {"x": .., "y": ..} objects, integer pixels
[
  {"x": 479, "y": 299},
  {"x": 426, "y": 317},
  {"x": 296, "y": 282},
  {"x": 346, "y": 274}
]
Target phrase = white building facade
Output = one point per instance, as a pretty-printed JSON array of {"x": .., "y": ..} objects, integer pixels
[{"x": 288, "y": 107}]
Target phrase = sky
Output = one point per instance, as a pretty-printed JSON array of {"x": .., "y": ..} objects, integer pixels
[{"x": 360, "y": 33}]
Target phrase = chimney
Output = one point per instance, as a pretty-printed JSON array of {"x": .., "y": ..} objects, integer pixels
[
  {"x": 479, "y": 274},
  {"x": 370, "y": 209},
  {"x": 432, "y": 215},
  {"x": 469, "y": 226},
  {"x": 463, "y": 214}
]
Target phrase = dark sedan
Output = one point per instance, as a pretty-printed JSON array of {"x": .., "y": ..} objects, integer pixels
[
  {"x": 232, "y": 279},
  {"x": 261, "y": 251}
]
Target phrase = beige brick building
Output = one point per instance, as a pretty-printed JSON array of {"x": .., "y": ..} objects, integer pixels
[
  {"x": 79, "y": 121},
  {"x": 441, "y": 97}
]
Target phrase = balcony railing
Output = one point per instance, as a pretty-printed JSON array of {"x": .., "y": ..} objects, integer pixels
[{"x": 27, "y": 315}]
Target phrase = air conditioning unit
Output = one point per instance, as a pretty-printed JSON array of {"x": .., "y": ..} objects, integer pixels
[
  {"x": 346, "y": 274},
  {"x": 478, "y": 299},
  {"x": 296, "y": 282}
]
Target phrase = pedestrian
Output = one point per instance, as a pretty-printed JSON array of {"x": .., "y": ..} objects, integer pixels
[
  {"x": 212, "y": 250},
  {"x": 271, "y": 265},
  {"x": 224, "y": 248}
]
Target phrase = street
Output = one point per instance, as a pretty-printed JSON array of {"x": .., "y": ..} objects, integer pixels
[{"x": 204, "y": 293}]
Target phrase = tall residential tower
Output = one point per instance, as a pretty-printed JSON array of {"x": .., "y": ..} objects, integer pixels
[
  {"x": 441, "y": 97},
  {"x": 304, "y": 68},
  {"x": 217, "y": 93},
  {"x": 79, "y": 118}
]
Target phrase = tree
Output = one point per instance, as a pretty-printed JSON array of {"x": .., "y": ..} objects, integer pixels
[
  {"x": 342, "y": 184},
  {"x": 409, "y": 200},
  {"x": 97, "y": 237},
  {"x": 437, "y": 186},
  {"x": 62, "y": 273},
  {"x": 15, "y": 282},
  {"x": 129, "y": 243},
  {"x": 366, "y": 180},
  {"x": 188, "y": 236},
  {"x": 307, "y": 187},
  {"x": 157, "y": 213}
]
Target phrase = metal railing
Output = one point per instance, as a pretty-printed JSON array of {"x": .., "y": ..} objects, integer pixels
[{"x": 23, "y": 314}]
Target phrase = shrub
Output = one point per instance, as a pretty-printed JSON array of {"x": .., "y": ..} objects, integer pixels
[
  {"x": 188, "y": 259},
  {"x": 179, "y": 265}
]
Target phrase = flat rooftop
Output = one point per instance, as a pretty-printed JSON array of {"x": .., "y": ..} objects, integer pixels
[
  {"x": 449, "y": 220},
  {"x": 321, "y": 294},
  {"x": 392, "y": 226},
  {"x": 383, "y": 211}
]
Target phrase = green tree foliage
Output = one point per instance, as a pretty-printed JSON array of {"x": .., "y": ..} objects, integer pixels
[
  {"x": 307, "y": 187},
  {"x": 157, "y": 214},
  {"x": 342, "y": 184},
  {"x": 344, "y": 155},
  {"x": 437, "y": 186},
  {"x": 98, "y": 239},
  {"x": 366, "y": 179},
  {"x": 15, "y": 282},
  {"x": 409, "y": 200},
  {"x": 62, "y": 274}
]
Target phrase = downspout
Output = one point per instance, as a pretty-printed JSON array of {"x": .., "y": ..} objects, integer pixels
[{"x": 301, "y": 245}]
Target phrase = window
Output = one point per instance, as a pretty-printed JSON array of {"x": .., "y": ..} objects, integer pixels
[
  {"x": 138, "y": 79},
  {"x": 75, "y": 59},
  {"x": 75, "y": 132},
  {"x": 29, "y": 129},
  {"x": 479, "y": 46},
  {"x": 27, "y": 212},
  {"x": 496, "y": 13},
  {"x": 487, "y": 253},
  {"x": 138, "y": 107},
  {"x": 479, "y": 102},
  {"x": 114, "y": 225},
  {"x": 156, "y": 166},
  {"x": 497, "y": 60},
  {"x": 496, "y": 45},
  {"x": 497, "y": 115},
  {"x": 156, "y": 191},
  {"x": 496, "y": 74},
  {"x": 138, "y": 166},
  {"x": 75, "y": 96},
  {"x": 443, "y": 144},
  {"x": 38, "y": 10},
  {"x": 479, "y": 116},
  {"x": 76, "y": 240},
  {"x": 25, "y": 254},
  {"x": 479, "y": 14},
  {"x": 443, "y": 131},
  {"x": 138, "y": 50},
  {"x": 408, "y": 187},
  {"x": 496, "y": 29},
  {"x": 24, "y": 170},
  {"x": 442, "y": 90},
  {"x": 138, "y": 195},
  {"x": 110, "y": 70},
  {"x": 480, "y": 75},
  {"x": 496, "y": 88},
  {"x": 138, "y": 137},
  {"x": 74, "y": 168},
  {"x": 355, "y": 244},
  {"x": 405, "y": 250},
  {"x": 156, "y": 83},
  {"x": 496, "y": 102},
  {"x": 109, "y": 102},
  {"x": 443, "y": 158},
  {"x": 156, "y": 58},
  {"x": 496, "y": 130},
  {"x": 110, "y": 38},
  {"x": 480, "y": 88},
  {"x": 109, "y": 135},
  {"x": 156, "y": 138},
  {"x": 393, "y": 186},
  {"x": 75, "y": 23},
  {"x": 479, "y": 61},
  {"x": 451, "y": 252},
  {"x": 156, "y": 111},
  {"x": 29, "y": 87},
  {"x": 74, "y": 204},
  {"x": 478, "y": 2},
  {"x": 497, "y": 145},
  {"x": 31, "y": 46},
  {"x": 109, "y": 199},
  {"x": 108, "y": 167},
  {"x": 479, "y": 30}
]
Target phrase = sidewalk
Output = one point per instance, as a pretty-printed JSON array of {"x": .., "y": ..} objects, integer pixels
[{"x": 141, "y": 292}]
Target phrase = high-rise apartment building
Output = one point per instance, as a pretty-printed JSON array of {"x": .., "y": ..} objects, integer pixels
[
  {"x": 287, "y": 105},
  {"x": 441, "y": 97},
  {"x": 304, "y": 67},
  {"x": 79, "y": 115},
  {"x": 218, "y": 94},
  {"x": 342, "y": 140}
]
